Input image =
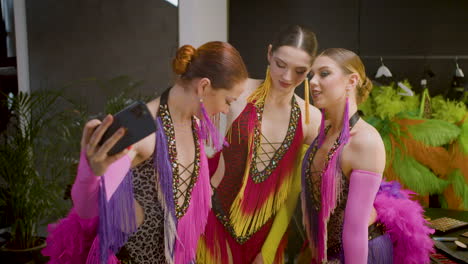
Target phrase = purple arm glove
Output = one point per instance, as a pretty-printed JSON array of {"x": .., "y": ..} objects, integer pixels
[
  {"x": 85, "y": 190},
  {"x": 363, "y": 188}
]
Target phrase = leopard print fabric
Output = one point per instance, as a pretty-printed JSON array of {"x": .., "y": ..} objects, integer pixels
[
  {"x": 335, "y": 223},
  {"x": 146, "y": 245}
]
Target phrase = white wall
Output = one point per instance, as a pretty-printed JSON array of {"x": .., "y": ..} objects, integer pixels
[
  {"x": 22, "y": 57},
  {"x": 201, "y": 21}
]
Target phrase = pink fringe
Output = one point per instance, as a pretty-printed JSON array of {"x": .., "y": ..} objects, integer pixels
[
  {"x": 321, "y": 135},
  {"x": 192, "y": 224},
  {"x": 94, "y": 255},
  {"x": 331, "y": 183},
  {"x": 208, "y": 131},
  {"x": 404, "y": 222}
]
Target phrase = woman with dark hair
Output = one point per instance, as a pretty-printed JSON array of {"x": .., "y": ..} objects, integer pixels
[
  {"x": 149, "y": 203},
  {"x": 254, "y": 180}
]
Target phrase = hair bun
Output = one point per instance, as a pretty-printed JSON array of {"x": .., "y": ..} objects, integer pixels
[
  {"x": 367, "y": 84},
  {"x": 183, "y": 58},
  {"x": 364, "y": 90}
]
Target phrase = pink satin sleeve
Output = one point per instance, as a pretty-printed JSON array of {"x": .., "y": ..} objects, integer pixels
[{"x": 363, "y": 188}]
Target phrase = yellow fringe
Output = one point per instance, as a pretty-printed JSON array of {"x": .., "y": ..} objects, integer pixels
[
  {"x": 246, "y": 224},
  {"x": 229, "y": 135},
  {"x": 307, "y": 101},
  {"x": 204, "y": 254},
  {"x": 260, "y": 94}
]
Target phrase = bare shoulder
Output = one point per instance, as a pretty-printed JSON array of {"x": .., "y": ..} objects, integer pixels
[
  {"x": 366, "y": 138},
  {"x": 367, "y": 148},
  {"x": 153, "y": 106},
  {"x": 250, "y": 86},
  {"x": 145, "y": 147},
  {"x": 311, "y": 129},
  {"x": 238, "y": 106}
]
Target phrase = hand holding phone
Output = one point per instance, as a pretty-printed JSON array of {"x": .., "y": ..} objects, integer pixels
[
  {"x": 105, "y": 141},
  {"x": 138, "y": 123}
]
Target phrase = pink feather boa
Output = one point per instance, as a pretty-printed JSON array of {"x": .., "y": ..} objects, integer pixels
[
  {"x": 72, "y": 240},
  {"x": 404, "y": 222}
]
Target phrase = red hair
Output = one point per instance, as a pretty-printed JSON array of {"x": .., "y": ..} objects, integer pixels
[{"x": 216, "y": 60}]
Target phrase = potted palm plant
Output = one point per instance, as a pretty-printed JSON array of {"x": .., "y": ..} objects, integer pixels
[
  {"x": 28, "y": 187},
  {"x": 38, "y": 159}
]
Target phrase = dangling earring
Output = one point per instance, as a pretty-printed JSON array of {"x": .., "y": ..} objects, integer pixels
[
  {"x": 208, "y": 131},
  {"x": 260, "y": 94},
  {"x": 344, "y": 137},
  {"x": 321, "y": 135},
  {"x": 215, "y": 120},
  {"x": 307, "y": 100}
]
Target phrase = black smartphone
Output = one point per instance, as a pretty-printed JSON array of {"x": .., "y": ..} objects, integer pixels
[{"x": 138, "y": 121}]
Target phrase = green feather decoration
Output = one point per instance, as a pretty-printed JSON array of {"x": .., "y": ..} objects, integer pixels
[
  {"x": 416, "y": 176},
  {"x": 463, "y": 138},
  {"x": 411, "y": 102},
  {"x": 459, "y": 185},
  {"x": 388, "y": 147},
  {"x": 450, "y": 111},
  {"x": 434, "y": 132},
  {"x": 367, "y": 107},
  {"x": 388, "y": 103}
]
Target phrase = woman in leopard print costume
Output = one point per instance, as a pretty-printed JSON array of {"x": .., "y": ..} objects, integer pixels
[{"x": 149, "y": 203}]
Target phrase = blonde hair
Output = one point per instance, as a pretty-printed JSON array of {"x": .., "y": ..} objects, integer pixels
[{"x": 351, "y": 63}]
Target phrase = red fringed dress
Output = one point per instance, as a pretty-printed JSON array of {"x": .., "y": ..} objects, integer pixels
[{"x": 247, "y": 200}]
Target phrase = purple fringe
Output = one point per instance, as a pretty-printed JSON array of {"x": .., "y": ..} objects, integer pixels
[
  {"x": 321, "y": 136},
  {"x": 208, "y": 131},
  {"x": 117, "y": 220},
  {"x": 331, "y": 185},
  {"x": 310, "y": 217},
  {"x": 380, "y": 251},
  {"x": 344, "y": 136},
  {"x": 162, "y": 165},
  {"x": 94, "y": 256},
  {"x": 392, "y": 189}
]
